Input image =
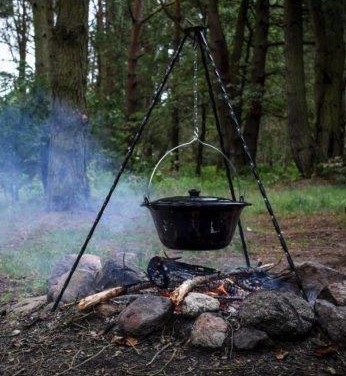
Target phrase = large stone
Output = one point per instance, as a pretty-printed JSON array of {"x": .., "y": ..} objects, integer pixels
[
  {"x": 115, "y": 274},
  {"x": 82, "y": 282},
  {"x": 277, "y": 313},
  {"x": 334, "y": 293},
  {"x": 315, "y": 277},
  {"x": 332, "y": 320},
  {"x": 29, "y": 305},
  {"x": 91, "y": 263},
  {"x": 249, "y": 338},
  {"x": 145, "y": 315},
  {"x": 209, "y": 330},
  {"x": 196, "y": 303}
]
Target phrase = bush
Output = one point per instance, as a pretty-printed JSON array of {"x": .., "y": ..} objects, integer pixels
[{"x": 333, "y": 169}]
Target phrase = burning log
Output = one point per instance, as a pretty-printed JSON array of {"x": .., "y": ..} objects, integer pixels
[{"x": 181, "y": 291}]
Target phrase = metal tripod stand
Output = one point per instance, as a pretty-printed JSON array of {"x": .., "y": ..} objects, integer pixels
[{"x": 198, "y": 35}]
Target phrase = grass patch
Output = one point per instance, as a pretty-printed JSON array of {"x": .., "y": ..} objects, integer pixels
[{"x": 306, "y": 200}]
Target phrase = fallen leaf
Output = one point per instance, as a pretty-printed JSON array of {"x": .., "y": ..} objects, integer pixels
[
  {"x": 331, "y": 370},
  {"x": 124, "y": 341},
  {"x": 280, "y": 354},
  {"x": 130, "y": 341},
  {"x": 221, "y": 290},
  {"x": 326, "y": 350}
]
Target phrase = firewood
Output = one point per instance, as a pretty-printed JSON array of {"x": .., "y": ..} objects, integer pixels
[
  {"x": 178, "y": 295},
  {"x": 103, "y": 296},
  {"x": 181, "y": 291}
]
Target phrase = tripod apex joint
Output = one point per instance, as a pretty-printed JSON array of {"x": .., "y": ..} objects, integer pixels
[{"x": 194, "y": 29}]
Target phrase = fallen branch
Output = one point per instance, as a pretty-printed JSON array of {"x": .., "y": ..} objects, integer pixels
[{"x": 103, "y": 296}]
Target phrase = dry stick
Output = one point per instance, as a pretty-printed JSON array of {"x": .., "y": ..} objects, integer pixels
[
  {"x": 103, "y": 296},
  {"x": 19, "y": 372},
  {"x": 85, "y": 361},
  {"x": 142, "y": 373},
  {"x": 158, "y": 353}
]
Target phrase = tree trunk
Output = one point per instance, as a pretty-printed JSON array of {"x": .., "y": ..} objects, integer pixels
[
  {"x": 134, "y": 50},
  {"x": 22, "y": 26},
  {"x": 300, "y": 134},
  {"x": 220, "y": 55},
  {"x": 175, "y": 91},
  {"x": 43, "y": 22},
  {"x": 107, "y": 38},
  {"x": 235, "y": 61},
  {"x": 329, "y": 23},
  {"x": 67, "y": 181},
  {"x": 257, "y": 84}
]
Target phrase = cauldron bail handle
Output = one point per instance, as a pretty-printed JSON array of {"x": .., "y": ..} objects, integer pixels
[{"x": 194, "y": 139}]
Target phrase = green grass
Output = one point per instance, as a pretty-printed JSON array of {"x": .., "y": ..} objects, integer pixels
[{"x": 305, "y": 200}]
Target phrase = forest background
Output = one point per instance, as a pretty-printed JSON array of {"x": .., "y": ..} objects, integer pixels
[{"x": 98, "y": 63}]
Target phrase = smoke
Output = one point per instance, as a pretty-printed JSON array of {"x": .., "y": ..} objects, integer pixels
[{"x": 32, "y": 239}]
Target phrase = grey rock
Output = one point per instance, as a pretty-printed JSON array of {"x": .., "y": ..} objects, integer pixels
[
  {"x": 145, "y": 315},
  {"x": 91, "y": 263},
  {"x": 332, "y": 320},
  {"x": 88, "y": 264},
  {"x": 114, "y": 273},
  {"x": 196, "y": 303},
  {"x": 277, "y": 313},
  {"x": 209, "y": 330},
  {"x": 315, "y": 277},
  {"x": 334, "y": 293},
  {"x": 29, "y": 305},
  {"x": 81, "y": 284},
  {"x": 249, "y": 338}
]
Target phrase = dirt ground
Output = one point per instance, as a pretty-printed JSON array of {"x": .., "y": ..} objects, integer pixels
[{"x": 70, "y": 343}]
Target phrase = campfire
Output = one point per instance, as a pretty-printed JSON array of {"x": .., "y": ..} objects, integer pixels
[
  {"x": 166, "y": 273},
  {"x": 248, "y": 305}
]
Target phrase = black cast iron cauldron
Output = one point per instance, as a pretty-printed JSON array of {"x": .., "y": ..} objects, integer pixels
[{"x": 195, "y": 222}]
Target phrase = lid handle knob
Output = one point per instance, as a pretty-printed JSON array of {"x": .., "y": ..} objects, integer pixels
[{"x": 194, "y": 192}]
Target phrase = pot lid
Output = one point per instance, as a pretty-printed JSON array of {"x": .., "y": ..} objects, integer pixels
[{"x": 194, "y": 199}]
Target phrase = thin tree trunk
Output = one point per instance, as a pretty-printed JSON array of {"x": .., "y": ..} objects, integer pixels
[
  {"x": 107, "y": 38},
  {"x": 329, "y": 23},
  {"x": 67, "y": 180},
  {"x": 176, "y": 109},
  {"x": 220, "y": 54},
  {"x": 43, "y": 22},
  {"x": 235, "y": 60},
  {"x": 134, "y": 50},
  {"x": 299, "y": 131},
  {"x": 22, "y": 29},
  {"x": 257, "y": 84}
]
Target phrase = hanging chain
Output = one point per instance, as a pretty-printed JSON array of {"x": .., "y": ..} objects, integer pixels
[{"x": 195, "y": 94}]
